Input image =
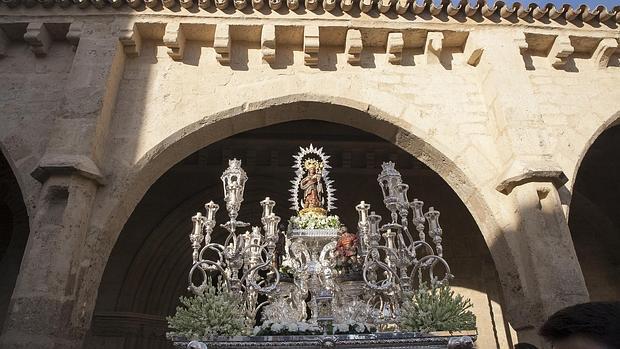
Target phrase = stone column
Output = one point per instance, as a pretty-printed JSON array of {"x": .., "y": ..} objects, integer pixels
[
  {"x": 46, "y": 310},
  {"x": 541, "y": 240},
  {"x": 528, "y": 204}
]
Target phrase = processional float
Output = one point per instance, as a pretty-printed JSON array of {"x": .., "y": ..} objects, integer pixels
[{"x": 316, "y": 270}]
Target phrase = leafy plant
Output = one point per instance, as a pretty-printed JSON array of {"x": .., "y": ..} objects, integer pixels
[
  {"x": 214, "y": 312},
  {"x": 437, "y": 309}
]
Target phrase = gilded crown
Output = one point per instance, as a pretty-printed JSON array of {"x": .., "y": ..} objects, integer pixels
[{"x": 312, "y": 163}]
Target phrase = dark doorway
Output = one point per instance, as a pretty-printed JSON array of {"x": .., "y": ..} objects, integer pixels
[
  {"x": 13, "y": 233},
  {"x": 594, "y": 216}
]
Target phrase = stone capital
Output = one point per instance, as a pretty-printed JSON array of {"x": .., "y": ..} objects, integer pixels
[
  {"x": 54, "y": 165},
  {"x": 520, "y": 172}
]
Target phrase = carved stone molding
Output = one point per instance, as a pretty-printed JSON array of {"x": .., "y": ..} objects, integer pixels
[
  {"x": 268, "y": 43},
  {"x": 353, "y": 46},
  {"x": 433, "y": 47},
  {"x": 394, "y": 47},
  {"x": 560, "y": 51},
  {"x": 38, "y": 37},
  {"x": 560, "y": 48},
  {"x": 592, "y": 50},
  {"x": 174, "y": 39},
  {"x": 311, "y": 45},
  {"x": 131, "y": 40},
  {"x": 74, "y": 33},
  {"x": 221, "y": 43},
  {"x": 603, "y": 52}
]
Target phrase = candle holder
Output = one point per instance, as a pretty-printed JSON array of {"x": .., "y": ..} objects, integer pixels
[
  {"x": 392, "y": 260},
  {"x": 246, "y": 262}
]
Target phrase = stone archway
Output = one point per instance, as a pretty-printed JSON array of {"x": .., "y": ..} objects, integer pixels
[
  {"x": 593, "y": 220},
  {"x": 613, "y": 120},
  {"x": 14, "y": 229},
  {"x": 125, "y": 192},
  {"x": 147, "y": 268},
  {"x": 120, "y": 197}
]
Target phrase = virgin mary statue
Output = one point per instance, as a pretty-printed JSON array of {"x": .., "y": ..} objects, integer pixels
[{"x": 313, "y": 199}]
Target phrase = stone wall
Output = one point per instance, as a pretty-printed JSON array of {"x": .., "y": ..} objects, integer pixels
[{"x": 101, "y": 103}]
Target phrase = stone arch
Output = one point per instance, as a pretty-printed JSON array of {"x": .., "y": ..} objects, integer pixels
[
  {"x": 14, "y": 230},
  {"x": 348, "y": 111},
  {"x": 612, "y": 121},
  {"x": 147, "y": 269}
]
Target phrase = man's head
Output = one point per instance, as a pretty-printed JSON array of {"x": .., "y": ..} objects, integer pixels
[{"x": 593, "y": 325}]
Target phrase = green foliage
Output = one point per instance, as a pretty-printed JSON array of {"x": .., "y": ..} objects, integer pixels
[
  {"x": 437, "y": 309},
  {"x": 214, "y": 312}
]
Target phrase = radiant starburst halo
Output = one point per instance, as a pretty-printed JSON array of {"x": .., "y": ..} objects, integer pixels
[{"x": 305, "y": 158}]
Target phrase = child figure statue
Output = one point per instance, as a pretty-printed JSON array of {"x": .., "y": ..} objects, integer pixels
[{"x": 346, "y": 250}]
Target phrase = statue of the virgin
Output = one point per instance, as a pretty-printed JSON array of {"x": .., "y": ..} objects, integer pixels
[{"x": 313, "y": 199}]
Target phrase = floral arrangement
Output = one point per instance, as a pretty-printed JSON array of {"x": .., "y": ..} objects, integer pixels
[
  {"x": 314, "y": 221},
  {"x": 437, "y": 309},
  {"x": 271, "y": 328},
  {"x": 216, "y": 311},
  {"x": 352, "y": 327}
]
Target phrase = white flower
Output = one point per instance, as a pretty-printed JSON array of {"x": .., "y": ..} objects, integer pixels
[
  {"x": 342, "y": 328},
  {"x": 276, "y": 328}
]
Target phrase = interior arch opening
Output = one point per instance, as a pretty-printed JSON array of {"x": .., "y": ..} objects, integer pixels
[
  {"x": 13, "y": 233},
  {"x": 147, "y": 269},
  {"x": 593, "y": 217}
]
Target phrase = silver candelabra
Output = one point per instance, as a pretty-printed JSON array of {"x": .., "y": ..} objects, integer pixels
[{"x": 393, "y": 262}]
